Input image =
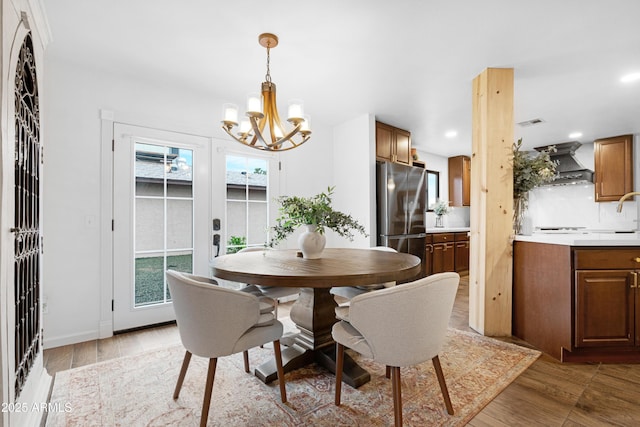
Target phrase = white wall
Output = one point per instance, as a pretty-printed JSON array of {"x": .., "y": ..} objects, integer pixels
[
  {"x": 72, "y": 197},
  {"x": 354, "y": 172}
]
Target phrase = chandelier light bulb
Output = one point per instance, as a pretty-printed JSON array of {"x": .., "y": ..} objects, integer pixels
[
  {"x": 305, "y": 126},
  {"x": 254, "y": 104},
  {"x": 296, "y": 110},
  {"x": 230, "y": 113},
  {"x": 245, "y": 127}
]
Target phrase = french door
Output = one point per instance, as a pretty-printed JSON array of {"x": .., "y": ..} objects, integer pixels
[
  {"x": 180, "y": 200},
  {"x": 162, "y": 188}
]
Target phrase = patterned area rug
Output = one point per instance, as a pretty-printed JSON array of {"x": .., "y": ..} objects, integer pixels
[{"x": 137, "y": 390}]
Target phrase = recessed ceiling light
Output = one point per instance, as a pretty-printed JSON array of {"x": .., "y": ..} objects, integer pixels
[
  {"x": 575, "y": 134},
  {"x": 628, "y": 78},
  {"x": 451, "y": 134}
]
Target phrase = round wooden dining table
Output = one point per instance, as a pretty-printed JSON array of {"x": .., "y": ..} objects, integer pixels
[{"x": 314, "y": 310}]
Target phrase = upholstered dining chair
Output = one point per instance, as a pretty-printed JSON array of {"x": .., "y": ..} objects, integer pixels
[
  {"x": 267, "y": 304},
  {"x": 400, "y": 326},
  {"x": 274, "y": 292},
  {"x": 214, "y": 322}
]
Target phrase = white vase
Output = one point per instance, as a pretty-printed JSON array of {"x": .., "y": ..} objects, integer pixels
[{"x": 311, "y": 243}]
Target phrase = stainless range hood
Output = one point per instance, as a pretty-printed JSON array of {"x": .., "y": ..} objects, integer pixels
[{"x": 569, "y": 169}]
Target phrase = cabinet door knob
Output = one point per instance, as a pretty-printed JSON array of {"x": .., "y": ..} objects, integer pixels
[
  {"x": 637, "y": 259},
  {"x": 635, "y": 280}
]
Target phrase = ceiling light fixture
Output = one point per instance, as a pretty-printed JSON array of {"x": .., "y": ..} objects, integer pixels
[
  {"x": 575, "y": 134},
  {"x": 451, "y": 134},
  {"x": 628, "y": 78},
  {"x": 264, "y": 113}
]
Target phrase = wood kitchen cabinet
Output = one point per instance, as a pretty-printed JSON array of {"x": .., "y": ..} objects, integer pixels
[
  {"x": 578, "y": 303},
  {"x": 461, "y": 252},
  {"x": 443, "y": 256},
  {"x": 446, "y": 252},
  {"x": 613, "y": 167},
  {"x": 607, "y": 311},
  {"x": 460, "y": 181},
  {"x": 393, "y": 144}
]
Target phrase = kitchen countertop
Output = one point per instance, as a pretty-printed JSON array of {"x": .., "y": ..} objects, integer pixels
[
  {"x": 584, "y": 239},
  {"x": 446, "y": 230}
]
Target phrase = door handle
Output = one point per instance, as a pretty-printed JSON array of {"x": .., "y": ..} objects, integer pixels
[
  {"x": 216, "y": 243},
  {"x": 635, "y": 279}
]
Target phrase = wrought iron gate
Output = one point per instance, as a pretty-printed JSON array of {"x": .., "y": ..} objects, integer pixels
[{"x": 27, "y": 211}]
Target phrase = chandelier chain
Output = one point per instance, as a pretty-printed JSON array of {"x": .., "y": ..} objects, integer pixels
[{"x": 267, "y": 77}]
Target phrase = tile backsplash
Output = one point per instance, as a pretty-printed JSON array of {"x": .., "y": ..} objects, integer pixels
[
  {"x": 574, "y": 206},
  {"x": 457, "y": 217}
]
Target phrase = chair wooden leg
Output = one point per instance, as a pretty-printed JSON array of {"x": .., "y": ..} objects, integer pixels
[
  {"x": 183, "y": 372},
  {"x": 280, "y": 369},
  {"x": 397, "y": 395},
  {"x": 211, "y": 373},
  {"x": 443, "y": 384},
  {"x": 245, "y": 354},
  {"x": 339, "y": 367},
  {"x": 387, "y": 372}
]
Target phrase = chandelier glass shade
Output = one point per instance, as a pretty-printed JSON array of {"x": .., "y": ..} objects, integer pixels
[{"x": 263, "y": 129}]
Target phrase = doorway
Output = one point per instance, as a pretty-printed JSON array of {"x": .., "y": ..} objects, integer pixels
[{"x": 161, "y": 187}]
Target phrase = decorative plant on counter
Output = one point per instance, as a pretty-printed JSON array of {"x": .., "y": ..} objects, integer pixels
[
  {"x": 317, "y": 214},
  {"x": 529, "y": 171},
  {"x": 441, "y": 207}
]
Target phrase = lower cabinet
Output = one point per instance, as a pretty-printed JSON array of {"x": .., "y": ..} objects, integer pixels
[
  {"x": 462, "y": 252},
  {"x": 607, "y": 312},
  {"x": 606, "y": 308},
  {"x": 576, "y": 303},
  {"x": 444, "y": 253}
]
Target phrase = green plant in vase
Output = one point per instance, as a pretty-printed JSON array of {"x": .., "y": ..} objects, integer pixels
[
  {"x": 317, "y": 214},
  {"x": 529, "y": 171},
  {"x": 440, "y": 208}
]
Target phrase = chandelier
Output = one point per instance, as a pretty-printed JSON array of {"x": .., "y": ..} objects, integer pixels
[{"x": 263, "y": 129}]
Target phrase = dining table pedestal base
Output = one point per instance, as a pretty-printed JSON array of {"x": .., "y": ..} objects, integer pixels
[
  {"x": 295, "y": 357},
  {"x": 314, "y": 315}
]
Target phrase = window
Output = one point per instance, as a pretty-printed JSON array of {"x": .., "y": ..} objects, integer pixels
[{"x": 433, "y": 189}]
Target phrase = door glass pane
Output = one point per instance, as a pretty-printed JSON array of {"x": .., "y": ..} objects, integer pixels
[
  {"x": 163, "y": 219},
  {"x": 258, "y": 216},
  {"x": 149, "y": 279},
  {"x": 236, "y": 226},
  {"x": 179, "y": 224},
  {"x": 149, "y": 222},
  {"x": 247, "y": 202}
]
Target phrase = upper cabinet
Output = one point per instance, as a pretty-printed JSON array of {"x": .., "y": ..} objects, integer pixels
[
  {"x": 460, "y": 181},
  {"x": 613, "y": 167},
  {"x": 393, "y": 144}
]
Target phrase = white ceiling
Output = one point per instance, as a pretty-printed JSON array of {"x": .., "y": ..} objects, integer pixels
[{"x": 409, "y": 62}]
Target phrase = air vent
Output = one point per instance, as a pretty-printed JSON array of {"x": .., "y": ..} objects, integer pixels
[{"x": 531, "y": 122}]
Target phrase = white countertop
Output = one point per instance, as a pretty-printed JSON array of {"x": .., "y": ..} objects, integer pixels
[
  {"x": 447, "y": 230},
  {"x": 584, "y": 239}
]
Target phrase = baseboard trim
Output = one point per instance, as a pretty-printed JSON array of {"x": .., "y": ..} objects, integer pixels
[{"x": 59, "y": 341}]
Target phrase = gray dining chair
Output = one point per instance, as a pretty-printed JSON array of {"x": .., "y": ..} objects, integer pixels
[
  {"x": 400, "y": 326},
  {"x": 274, "y": 292},
  {"x": 214, "y": 322}
]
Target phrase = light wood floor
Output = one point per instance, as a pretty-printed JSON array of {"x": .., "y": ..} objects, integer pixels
[{"x": 547, "y": 394}]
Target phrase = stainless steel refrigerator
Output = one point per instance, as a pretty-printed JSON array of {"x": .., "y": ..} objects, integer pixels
[{"x": 401, "y": 205}]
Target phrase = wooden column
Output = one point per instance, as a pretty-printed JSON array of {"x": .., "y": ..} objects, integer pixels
[{"x": 490, "y": 270}]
